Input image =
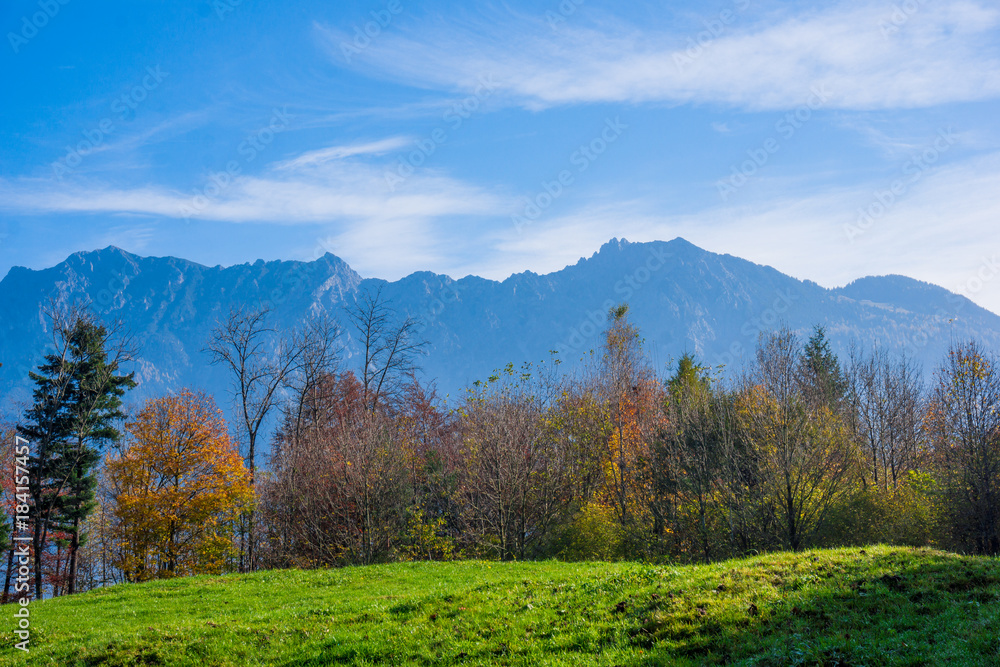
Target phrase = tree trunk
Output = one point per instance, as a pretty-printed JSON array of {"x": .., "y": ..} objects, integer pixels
[
  {"x": 250, "y": 566},
  {"x": 74, "y": 545},
  {"x": 793, "y": 536},
  {"x": 36, "y": 543},
  {"x": 6, "y": 583}
]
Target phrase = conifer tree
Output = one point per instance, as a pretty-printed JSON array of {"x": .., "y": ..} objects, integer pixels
[
  {"x": 77, "y": 400},
  {"x": 820, "y": 371}
]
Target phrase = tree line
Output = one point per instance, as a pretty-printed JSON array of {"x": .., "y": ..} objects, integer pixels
[{"x": 615, "y": 460}]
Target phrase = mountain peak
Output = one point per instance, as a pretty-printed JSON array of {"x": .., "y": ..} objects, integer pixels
[
  {"x": 110, "y": 251},
  {"x": 109, "y": 258},
  {"x": 681, "y": 242},
  {"x": 916, "y": 296},
  {"x": 678, "y": 243},
  {"x": 614, "y": 244},
  {"x": 622, "y": 249}
]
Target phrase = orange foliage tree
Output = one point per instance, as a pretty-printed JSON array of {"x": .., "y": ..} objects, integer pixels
[
  {"x": 178, "y": 486},
  {"x": 632, "y": 401}
]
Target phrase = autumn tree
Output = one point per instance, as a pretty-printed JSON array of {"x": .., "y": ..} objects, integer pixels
[
  {"x": 371, "y": 472},
  {"x": 338, "y": 483},
  {"x": 178, "y": 486},
  {"x": 578, "y": 423},
  {"x": 513, "y": 478},
  {"x": 298, "y": 498},
  {"x": 433, "y": 521},
  {"x": 350, "y": 442},
  {"x": 803, "y": 448},
  {"x": 579, "y": 419},
  {"x": 964, "y": 423},
  {"x": 631, "y": 399},
  {"x": 8, "y": 502},
  {"x": 310, "y": 389},
  {"x": 345, "y": 456}
]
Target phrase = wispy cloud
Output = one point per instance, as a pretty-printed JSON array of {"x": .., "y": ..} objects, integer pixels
[
  {"x": 943, "y": 53},
  {"x": 337, "y": 189},
  {"x": 324, "y": 155},
  {"x": 163, "y": 130},
  {"x": 319, "y": 186}
]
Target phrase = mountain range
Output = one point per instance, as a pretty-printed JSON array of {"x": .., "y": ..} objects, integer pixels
[{"x": 682, "y": 298}]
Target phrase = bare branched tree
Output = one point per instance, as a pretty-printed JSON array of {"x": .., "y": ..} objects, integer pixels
[
  {"x": 964, "y": 420},
  {"x": 318, "y": 342},
  {"x": 886, "y": 407},
  {"x": 515, "y": 479},
  {"x": 388, "y": 346},
  {"x": 260, "y": 363},
  {"x": 335, "y": 492}
]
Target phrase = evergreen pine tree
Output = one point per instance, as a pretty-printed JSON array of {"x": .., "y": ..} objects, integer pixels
[
  {"x": 95, "y": 408},
  {"x": 821, "y": 374},
  {"x": 77, "y": 400},
  {"x": 46, "y": 427}
]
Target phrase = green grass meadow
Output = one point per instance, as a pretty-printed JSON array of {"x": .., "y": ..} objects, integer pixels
[{"x": 874, "y": 606}]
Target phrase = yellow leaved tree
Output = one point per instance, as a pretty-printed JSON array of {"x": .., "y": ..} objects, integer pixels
[
  {"x": 632, "y": 398},
  {"x": 178, "y": 486}
]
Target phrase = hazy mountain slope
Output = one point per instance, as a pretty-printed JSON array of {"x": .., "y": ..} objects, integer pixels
[
  {"x": 171, "y": 305},
  {"x": 682, "y": 297}
]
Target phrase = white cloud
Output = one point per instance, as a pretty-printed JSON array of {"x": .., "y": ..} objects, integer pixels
[
  {"x": 942, "y": 53},
  {"x": 320, "y": 186},
  {"x": 381, "y": 231},
  {"x": 323, "y": 155}
]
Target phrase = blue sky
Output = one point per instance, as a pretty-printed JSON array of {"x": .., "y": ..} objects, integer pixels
[{"x": 832, "y": 140}]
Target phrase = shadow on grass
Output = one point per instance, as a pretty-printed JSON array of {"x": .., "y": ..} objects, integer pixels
[
  {"x": 881, "y": 606},
  {"x": 884, "y": 607}
]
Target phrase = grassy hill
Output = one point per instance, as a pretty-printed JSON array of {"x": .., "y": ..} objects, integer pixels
[{"x": 878, "y": 606}]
